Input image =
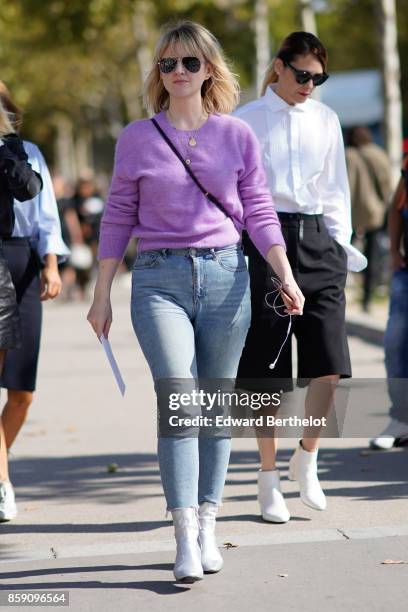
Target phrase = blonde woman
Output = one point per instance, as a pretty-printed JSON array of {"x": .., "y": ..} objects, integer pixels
[
  {"x": 190, "y": 296},
  {"x": 17, "y": 180}
]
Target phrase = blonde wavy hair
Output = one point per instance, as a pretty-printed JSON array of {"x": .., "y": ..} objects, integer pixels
[
  {"x": 6, "y": 126},
  {"x": 220, "y": 92},
  {"x": 15, "y": 113}
]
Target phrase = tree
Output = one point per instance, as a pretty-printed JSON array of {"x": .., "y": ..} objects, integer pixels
[
  {"x": 77, "y": 67},
  {"x": 308, "y": 16},
  {"x": 309, "y": 25},
  {"x": 391, "y": 82},
  {"x": 262, "y": 41}
]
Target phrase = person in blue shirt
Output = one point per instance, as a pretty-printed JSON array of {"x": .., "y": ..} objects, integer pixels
[
  {"x": 32, "y": 253},
  {"x": 17, "y": 180}
]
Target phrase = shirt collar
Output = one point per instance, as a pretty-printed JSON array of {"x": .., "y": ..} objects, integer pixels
[{"x": 276, "y": 103}]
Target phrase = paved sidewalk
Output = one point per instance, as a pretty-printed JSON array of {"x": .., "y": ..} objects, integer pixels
[
  {"x": 104, "y": 536},
  {"x": 346, "y": 575},
  {"x": 367, "y": 326}
]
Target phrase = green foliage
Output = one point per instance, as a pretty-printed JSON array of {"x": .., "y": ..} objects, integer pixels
[
  {"x": 79, "y": 58},
  {"x": 349, "y": 30}
]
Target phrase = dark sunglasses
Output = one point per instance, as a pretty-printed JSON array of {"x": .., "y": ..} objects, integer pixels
[
  {"x": 304, "y": 76},
  {"x": 168, "y": 64}
]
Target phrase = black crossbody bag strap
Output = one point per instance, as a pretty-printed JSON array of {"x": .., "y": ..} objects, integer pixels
[{"x": 207, "y": 194}]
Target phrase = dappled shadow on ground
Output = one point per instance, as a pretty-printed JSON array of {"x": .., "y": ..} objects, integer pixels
[
  {"x": 160, "y": 587},
  {"x": 376, "y": 476},
  {"x": 69, "y": 480},
  {"x": 167, "y": 586},
  {"x": 131, "y": 527},
  {"x": 86, "y": 478}
]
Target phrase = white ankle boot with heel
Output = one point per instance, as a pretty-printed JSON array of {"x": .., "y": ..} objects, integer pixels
[
  {"x": 187, "y": 566},
  {"x": 303, "y": 468},
  {"x": 211, "y": 559},
  {"x": 270, "y": 498},
  {"x": 197, "y": 550}
]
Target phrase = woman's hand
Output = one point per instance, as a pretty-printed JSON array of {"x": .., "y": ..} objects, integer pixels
[
  {"x": 100, "y": 313},
  {"x": 100, "y": 316},
  {"x": 291, "y": 294},
  {"x": 50, "y": 284},
  {"x": 50, "y": 280},
  {"x": 292, "y": 297}
]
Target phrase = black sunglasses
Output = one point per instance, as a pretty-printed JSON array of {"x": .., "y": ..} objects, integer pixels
[
  {"x": 303, "y": 76},
  {"x": 168, "y": 64}
]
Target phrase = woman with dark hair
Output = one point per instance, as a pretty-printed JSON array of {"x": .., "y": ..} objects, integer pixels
[
  {"x": 303, "y": 155},
  {"x": 17, "y": 180}
]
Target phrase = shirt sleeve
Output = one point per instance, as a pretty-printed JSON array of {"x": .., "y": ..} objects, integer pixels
[
  {"x": 334, "y": 188},
  {"x": 260, "y": 217},
  {"x": 50, "y": 239},
  {"x": 121, "y": 211}
]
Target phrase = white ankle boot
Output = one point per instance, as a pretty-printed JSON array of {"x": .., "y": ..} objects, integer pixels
[
  {"x": 270, "y": 498},
  {"x": 303, "y": 468},
  {"x": 211, "y": 559},
  {"x": 187, "y": 567},
  {"x": 8, "y": 508}
]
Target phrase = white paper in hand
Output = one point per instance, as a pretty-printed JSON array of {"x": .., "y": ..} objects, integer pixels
[{"x": 112, "y": 362}]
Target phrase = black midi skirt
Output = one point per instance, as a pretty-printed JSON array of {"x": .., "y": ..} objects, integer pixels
[{"x": 20, "y": 368}]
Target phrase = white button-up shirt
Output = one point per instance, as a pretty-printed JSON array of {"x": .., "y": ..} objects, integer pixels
[
  {"x": 38, "y": 219},
  {"x": 303, "y": 154}
]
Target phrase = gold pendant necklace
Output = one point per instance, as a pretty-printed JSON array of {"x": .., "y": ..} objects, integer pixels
[
  {"x": 192, "y": 140},
  {"x": 192, "y": 136}
]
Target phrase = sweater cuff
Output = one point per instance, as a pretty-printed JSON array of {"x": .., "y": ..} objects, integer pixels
[
  {"x": 266, "y": 238},
  {"x": 111, "y": 245}
]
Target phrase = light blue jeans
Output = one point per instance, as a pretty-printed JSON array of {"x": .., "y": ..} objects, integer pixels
[
  {"x": 396, "y": 346},
  {"x": 191, "y": 313}
]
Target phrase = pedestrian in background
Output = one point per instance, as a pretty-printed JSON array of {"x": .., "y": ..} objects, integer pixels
[
  {"x": 370, "y": 187},
  {"x": 396, "y": 333},
  {"x": 32, "y": 253},
  {"x": 303, "y": 153},
  {"x": 88, "y": 204},
  {"x": 17, "y": 180},
  {"x": 72, "y": 236},
  {"x": 190, "y": 295}
]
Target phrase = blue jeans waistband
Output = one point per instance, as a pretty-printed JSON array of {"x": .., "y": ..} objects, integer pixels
[{"x": 193, "y": 251}]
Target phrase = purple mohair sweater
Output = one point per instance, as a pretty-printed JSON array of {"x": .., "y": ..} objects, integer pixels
[{"x": 152, "y": 197}]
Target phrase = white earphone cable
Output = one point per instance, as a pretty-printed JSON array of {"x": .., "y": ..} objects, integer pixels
[{"x": 276, "y": 307}]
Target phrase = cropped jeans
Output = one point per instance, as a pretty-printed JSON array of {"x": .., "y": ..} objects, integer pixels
[
  {"x": 191, "y": 313},
  {"x": 396, "y": 346}
]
